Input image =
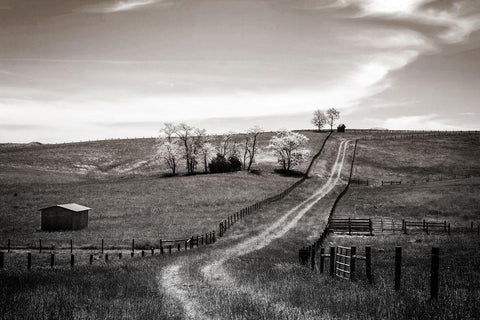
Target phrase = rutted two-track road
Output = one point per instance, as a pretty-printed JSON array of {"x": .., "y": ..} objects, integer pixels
[{"x": 174, "y": 278}]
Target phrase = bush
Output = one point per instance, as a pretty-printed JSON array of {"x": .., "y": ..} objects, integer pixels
[
  {"x": 220, "y": 164},
  {"x": 235, "y": 163}
]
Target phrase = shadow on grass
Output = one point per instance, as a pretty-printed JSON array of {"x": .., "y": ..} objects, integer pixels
[{"x": 289, "y": 173}]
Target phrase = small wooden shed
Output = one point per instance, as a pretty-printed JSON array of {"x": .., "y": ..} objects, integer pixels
[
  {"x": 70, "y": 216},
  {"x": 341, "y": 128}
]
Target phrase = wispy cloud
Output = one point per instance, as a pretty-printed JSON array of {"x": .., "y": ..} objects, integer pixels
[
  {"x": 123, "y": 5},
  {"x": 418, "y": 122}
]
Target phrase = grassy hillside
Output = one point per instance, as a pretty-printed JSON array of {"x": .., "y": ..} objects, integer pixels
[
  {"x": 106, "y": 159},
  {"x": 270, "y": 283}
]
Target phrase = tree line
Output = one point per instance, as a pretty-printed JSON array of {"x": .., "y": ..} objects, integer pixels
[
  {"x": 193, "y": 147},
  {"x": 181, "y": 143}
]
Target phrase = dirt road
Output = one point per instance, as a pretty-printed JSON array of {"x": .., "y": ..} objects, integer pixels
[{"x": 175, "y": 278}]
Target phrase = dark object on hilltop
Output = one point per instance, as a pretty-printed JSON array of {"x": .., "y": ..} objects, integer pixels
[
  {"x": 69, "y": 216},
  {"x": 220, "y": 164},
  {"x": 341, "y": 128}
]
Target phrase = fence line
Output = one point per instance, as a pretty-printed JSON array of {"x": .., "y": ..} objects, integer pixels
[
  {"x": 343, "y": 262},
  {"x": 377, "y": 183}
]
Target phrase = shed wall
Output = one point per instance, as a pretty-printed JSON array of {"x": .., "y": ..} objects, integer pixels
[{"x": 56, "y": 218}]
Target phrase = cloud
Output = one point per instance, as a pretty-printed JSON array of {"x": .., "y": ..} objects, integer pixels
[
  {"x": 418, "y": 122},
  {"x": 123, "y": 5}
]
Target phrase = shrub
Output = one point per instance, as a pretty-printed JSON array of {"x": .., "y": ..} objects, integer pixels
[{"x": 220, "y": 164}]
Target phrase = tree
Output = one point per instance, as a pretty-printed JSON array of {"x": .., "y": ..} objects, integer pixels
[
  {"x": 319, "y": 119},
  {"x": 332, "y": 116},
  {"x": 185, "y": 137},
  {"x": 208, "y": 152},
  {"x": 288, "y": 147},
  {"x": 170, "y": 153},
  {"x": 251, "y": 146}
]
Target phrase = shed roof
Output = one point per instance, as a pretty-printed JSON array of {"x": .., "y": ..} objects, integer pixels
[
  {"x": 70, "y": 206},
  {"x": 341, "y": 125}
]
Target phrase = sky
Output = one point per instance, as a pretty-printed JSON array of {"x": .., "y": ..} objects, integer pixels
[{"x": 93, "y": 69}]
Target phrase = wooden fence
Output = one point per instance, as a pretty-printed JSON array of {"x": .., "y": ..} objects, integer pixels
[
  {"x": 381, "y": 183},
  {"x": 165, "y": 246},
  {"x": 344, "y": 264},
  {"x": 351, "y": 226}
]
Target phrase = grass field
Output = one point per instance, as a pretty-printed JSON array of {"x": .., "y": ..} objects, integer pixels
[{"x": 269, "y": 283}]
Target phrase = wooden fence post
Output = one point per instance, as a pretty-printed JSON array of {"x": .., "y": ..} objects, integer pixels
[
  {"x": 322, "y": 259},
  {"x": 91, "y": 259},
  {"x": 186, "y": 245},
  {"x": 368, "y": 264},
  {"x": 370, "y": 225},
  {"x": 102, "y": 246},
  {"x": 213, "y": 236},
  {"x": 312, "y": 257},
  {"x": 2, "y": 257},
  {"x": 160, "y": 243},
  {"x": 471, "y": 228},
  {"x": 120, "y": 256},
  {"x": 40, "y": 245},
  {"x": 106, "y": 257},
  {"x": 349, "y": 226},
  {"x": 201, "y": 239},
  {"x": 434, "y": 273},
  {"x": 448, "y": 229},
  {"x": 143, "y": 252},
  {"x": 398, "y": 267},
  {"x": 71, "y": 246},
  {"x": 332, "y": 261},
  {"x": 52, "y": 260},
  {"x": 133, "y": 245},
  {"x": 72, "y": 260},
  {"x": 170, "y": 249},
  {"x": 153, "y": 251},
  {"x": 220, "y": 234},
  {"x": 353, "y": 252},
  {"x": 427, "y": 228},
  {"x": 29, "y": 261},
  {"x": 178, "y": 246}
]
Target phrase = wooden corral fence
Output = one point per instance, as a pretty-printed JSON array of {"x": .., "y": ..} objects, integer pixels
[
  {"x": 342, "y": 261},
  {"x": 351, "y": 226},
  {"x": 381, "y": 183},
  {"x": 344, "y": 264}
]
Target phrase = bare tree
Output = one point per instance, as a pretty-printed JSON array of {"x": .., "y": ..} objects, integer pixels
[
  {"x": 332, "y": 116},
  {"x": 208, "y": 152},
  {"x": 225, "y": 144},
  {"x": 170, "y": 153},
  {"x": 251, "y": 145},
  {"x": 192, "y": 140},
  {"x": 319, "y": 119}
]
